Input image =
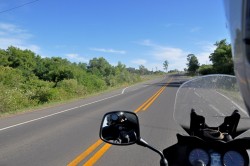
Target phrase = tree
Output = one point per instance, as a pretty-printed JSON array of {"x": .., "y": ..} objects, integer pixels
[
  {"x": 21, "y": 59},
  {"x": 121, "y": 67},
  {"x": 173, "y": 71},
  {"x": 222, "y": 58},
  {"x": 54, "y": 69},
  {"x": 165, "y": 65},
  {"x": 4, "y": 58},
  {"x": 83, "y": 66},
  {"x": 100, "y": 67},
  {"x": 28, "y": 79},
  {"x": 131, "y": 70},
  {"x": 192, "y": 64},
  {"x": 206, "y": 69},
  {"x": 143, "y": 70}
]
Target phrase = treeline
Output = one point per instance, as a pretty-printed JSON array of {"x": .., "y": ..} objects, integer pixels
[
  {"x": 221, "y": 58},
  {"x": 27, "y": 79}
]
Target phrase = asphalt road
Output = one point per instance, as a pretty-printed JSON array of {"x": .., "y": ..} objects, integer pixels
[
  {"x": 69, "y": 134},
  {"x": 214, "y": 104},
  {"x": 58, "y": 135}
]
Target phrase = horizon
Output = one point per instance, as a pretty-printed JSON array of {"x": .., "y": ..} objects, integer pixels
[{"x": 134, "y": 33}]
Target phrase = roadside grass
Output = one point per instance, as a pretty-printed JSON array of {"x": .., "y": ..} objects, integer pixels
[{"x": 74, "y": 99}]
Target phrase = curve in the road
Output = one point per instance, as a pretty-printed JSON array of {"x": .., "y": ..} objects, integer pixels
[{"x": 106, "y": 146}]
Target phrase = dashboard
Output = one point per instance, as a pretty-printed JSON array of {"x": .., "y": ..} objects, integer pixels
[
  {"x": 218, "y": 157},
  {"x": 190, "y": 149}
]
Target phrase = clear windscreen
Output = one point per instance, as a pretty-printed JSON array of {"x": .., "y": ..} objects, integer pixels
[{"x": 214, "y": 97}]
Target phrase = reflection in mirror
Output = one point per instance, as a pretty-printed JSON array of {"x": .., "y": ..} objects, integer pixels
[{"x": 120, "y": 128}]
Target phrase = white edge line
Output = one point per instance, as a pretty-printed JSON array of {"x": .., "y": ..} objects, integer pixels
[
  {"x": 19, "y": 124},
  {"x": 242, "y": 110},
  {"x": 216, "y": 109},
  {"x": 197, "y": 94},
  {"x": 124, "y": 90}
]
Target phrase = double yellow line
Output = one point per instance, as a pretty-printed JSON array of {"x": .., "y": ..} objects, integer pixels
[
  {"x": 149, "y": 102},
  {"x": 106, "y": 146}
]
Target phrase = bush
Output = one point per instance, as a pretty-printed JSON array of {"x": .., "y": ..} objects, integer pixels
[
  {"x": 11, "y": 77},
  {"x": 71, "y": 87},
  {"x": 206, "y": 69},
  {"x": 94, "y": 83},
  {"x": 111, "y": 80},
  {"x": 26, "y": 79},
  {"x": 45, "y": 94},
  {"x": 13, "y": 99}
]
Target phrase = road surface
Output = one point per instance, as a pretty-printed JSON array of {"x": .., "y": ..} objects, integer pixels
[{"x": 68, "y": 134}]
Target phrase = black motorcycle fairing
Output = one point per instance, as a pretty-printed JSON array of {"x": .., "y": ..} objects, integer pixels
[
  {"x": 178, "y": 154},
  {"x": 229, "y": 126}
]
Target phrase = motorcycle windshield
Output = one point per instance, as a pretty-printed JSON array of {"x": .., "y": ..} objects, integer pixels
[{"x": 212, "y": 96}]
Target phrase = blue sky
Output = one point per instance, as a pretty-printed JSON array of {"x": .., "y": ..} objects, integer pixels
[{"x": 135, "y": 32}]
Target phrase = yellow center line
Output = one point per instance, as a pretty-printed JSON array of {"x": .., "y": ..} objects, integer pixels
[
  {"x": 139, "y": 108},
  {"x": 156, "y": 96},
  {"x": 85, "y": 153},
  {"x": 106, "y": 146},
  {"x": 98, "y": 155}
]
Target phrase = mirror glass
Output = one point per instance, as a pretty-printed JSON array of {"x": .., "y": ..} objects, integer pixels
[{"x": 120, "y": 128}]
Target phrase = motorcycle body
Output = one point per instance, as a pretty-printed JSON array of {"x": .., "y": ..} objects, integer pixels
[
  {"x": 215, "y": 146},
  {"x": 212, "y": 113}
]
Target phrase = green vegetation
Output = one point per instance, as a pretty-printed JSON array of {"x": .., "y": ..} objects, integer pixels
[
  {"x": 173, "y": 71},
  {"x": 192, "y": 64},
  {"x": 221, "y": 58},
  {"x": 165, "y": 65},
  {"x": 206, "y": 69},
  {"x": 28, "y": 80}
]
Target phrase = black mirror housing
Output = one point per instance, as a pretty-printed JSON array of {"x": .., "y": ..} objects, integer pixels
[{"x": 120, "y": 128}]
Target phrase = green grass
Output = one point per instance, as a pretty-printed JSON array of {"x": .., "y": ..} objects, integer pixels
[{"x": 73, "y": 99}]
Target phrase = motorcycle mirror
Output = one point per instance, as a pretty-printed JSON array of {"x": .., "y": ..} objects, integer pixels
[{"x": 120, "y": 128}]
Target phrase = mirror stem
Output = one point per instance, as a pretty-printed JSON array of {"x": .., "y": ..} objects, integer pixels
[{"x": 163, "y": 161}]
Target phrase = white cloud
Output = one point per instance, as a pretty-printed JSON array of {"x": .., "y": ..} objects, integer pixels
[
  {"x": 76, "y": 58},
  {"x": 169, "y": 53},
  {"x": 195, "y": 29},
  {"x": 178, "y": 59},
  {"x": 147, "y": 42},
  {"x": 168, "y": 25},
  {"x": 10, "y": 28},
  {"x": 161, "y": 52},
  {"x": 172, "y": 25},
  {"x": 31, "y": 47},
  {"x": 108, "y": 50},
  {"x": 203, "y": 57},
  {"x": 12, "y": 35},
  {"x": 175, "y": 56},
  {"x": 60, "y": 46},
  {"x": 139, "y": 61},
  {"x": 207, "y": 48},
  {"x": 149, "y": 65},
  {"x": 154, "y": 66}
]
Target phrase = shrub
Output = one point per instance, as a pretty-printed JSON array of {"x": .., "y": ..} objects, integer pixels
[
  {"x": 206, "y": 69},
  {"x": 44, "y": 95},
  {"x": 13, "y": 99},
  {"x": 11, "y": 77},
  {"x": 71, "y": 87}
]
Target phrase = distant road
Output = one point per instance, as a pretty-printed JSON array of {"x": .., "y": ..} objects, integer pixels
[{"x": 68, "y": 134}]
